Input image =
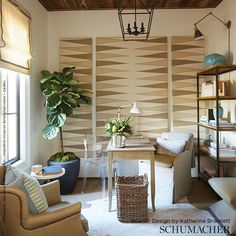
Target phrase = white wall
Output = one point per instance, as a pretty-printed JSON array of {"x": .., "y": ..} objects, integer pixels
[{"x": 38, "y": 147}]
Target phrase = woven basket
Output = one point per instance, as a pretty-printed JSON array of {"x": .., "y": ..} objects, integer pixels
[{"x": 131, "y": 194}]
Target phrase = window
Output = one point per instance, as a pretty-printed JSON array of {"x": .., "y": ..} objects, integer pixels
[
  {"x": 15, "y": 35},
  {"x": 12, "y": 111}
]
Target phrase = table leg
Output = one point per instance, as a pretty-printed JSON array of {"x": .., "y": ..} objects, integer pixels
[
  {"x": 152, "y": 171},
  {"x": 110, "y": 180}
]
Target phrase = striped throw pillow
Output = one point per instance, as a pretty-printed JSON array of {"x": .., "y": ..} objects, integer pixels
[{"x": 35, "y": 194}]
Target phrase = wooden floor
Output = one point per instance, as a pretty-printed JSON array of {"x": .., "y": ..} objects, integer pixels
[{"x": 202, "y": 196}]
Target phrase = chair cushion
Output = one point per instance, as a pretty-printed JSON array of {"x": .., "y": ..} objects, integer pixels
[
  {"x": 225, "y": 188},
  {"x": 164, "y": 160},
  {"x": 30, "y": 186},
  {"x": 174, "y": 146}
]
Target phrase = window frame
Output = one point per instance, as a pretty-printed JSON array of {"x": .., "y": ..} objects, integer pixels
[{"x": 18, "y": 114}]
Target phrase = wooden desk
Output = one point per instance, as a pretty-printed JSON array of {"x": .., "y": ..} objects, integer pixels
[{"x": 136, "y": 150}]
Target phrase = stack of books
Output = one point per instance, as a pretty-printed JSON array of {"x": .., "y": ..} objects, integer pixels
[
  {"x": 224, "y": 151},
  {"x": 222, "y": 124},
  {"x": 51, "y": 170}
]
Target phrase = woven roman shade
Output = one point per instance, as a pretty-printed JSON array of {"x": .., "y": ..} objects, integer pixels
[{"x": 15, "y": 48}]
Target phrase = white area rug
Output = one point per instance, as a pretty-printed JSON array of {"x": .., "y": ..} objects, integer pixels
[{"x": 179, "y": 219}]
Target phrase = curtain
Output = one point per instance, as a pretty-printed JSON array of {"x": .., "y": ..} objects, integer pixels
[{"x": 15, "y": 41}]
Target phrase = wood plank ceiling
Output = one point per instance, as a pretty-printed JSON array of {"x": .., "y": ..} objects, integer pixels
[{"x": 71, "y": 5}]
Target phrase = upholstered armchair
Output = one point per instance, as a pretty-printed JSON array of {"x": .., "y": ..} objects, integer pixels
[
  {"x": 173, "y": 161},
  {"x": 62, "y": 218}
]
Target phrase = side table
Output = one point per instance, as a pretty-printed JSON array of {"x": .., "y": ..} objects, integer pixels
[{"x": 48, "y": 177}]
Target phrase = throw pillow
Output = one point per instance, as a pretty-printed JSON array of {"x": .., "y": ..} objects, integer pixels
[
  {"x": 11, "y": 174},
  {"x": 174, "y": 146},
  {"x": 30, "y": 186},
  {"x": 35, "y": 193}
]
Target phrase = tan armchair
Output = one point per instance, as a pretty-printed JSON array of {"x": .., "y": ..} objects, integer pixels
[
  {"x": 172, "y": 171},
  {"x": 62, "y": 218}
]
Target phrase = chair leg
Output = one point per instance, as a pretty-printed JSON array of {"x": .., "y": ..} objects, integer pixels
[
  {"x": 115, "y": 168},
  {"x": 85, "y": 169},
  {"x": 103, "y": 178}
]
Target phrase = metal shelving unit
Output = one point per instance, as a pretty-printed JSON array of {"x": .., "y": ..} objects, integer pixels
[{"x": 215, "y": 71}]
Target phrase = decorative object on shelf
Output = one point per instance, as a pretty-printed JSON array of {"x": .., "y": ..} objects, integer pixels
[
  {"x": 209, "y": 88},
  {"x": 222, "y": 88},
  {"x": 143, "y": 14},
  {"x": 63, "y": 96},
  {"x": 208, "y": 141},
  {"x": 203, "y": 119},
  {"x": 199, "y": 35},
  {"x": 220, "y": 112},
  {"x": 118, "y": 129},
  {"x": 214, "y": 59}
]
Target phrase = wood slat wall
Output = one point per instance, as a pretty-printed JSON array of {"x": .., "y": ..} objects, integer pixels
[
  {"x": 78, "y": 53},
  {"x": 187, "y": 60},
  {"x": 129, "y": 71}
]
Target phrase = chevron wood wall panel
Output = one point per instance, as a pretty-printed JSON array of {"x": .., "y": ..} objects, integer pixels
[
  {"x": 187, "y": 60},
  {"x": 78, "y": 53},
  {"x": 132, "y": 71}
]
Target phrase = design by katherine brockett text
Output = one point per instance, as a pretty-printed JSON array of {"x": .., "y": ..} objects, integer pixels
[{"x": 188, "y": 226}]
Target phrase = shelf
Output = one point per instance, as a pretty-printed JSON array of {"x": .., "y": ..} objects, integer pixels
[
  {"x": 217, "y": 70},
  {"x": 219, "y": 98},
  {"x": 204, "y": 151},
  {"x": 215, "y": 128}
]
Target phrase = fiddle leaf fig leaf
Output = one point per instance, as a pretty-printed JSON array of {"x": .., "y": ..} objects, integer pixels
[
  {"x": 66, "y": 109},
  {"x": 46, "y": 75},
  {"x": 48, "y": 91},
  {"x": 74, "y": 94},
  {"x": 65, "y": 70},
  {"x": 57, "y": 120},
  {"x": 50, "y": 132},
  {"x": 72, "y": 82},
  {"x": 70, "y": 101},
  {"x": 54, "y": 100}
]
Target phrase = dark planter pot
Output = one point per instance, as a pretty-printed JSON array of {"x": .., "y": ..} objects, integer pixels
[{"x": 68, "y": 180}]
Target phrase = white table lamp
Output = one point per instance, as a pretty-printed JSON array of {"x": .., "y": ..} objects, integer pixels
[{"x": 134, "y": 109}]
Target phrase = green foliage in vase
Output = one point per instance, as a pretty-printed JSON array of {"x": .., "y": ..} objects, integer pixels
[
  {"x": 63, "y": 96},
  {"x": 118, "y": 126}
]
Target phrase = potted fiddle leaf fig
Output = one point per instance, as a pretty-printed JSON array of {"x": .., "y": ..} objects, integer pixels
[
  {"x": 118, "y": 129},
  {"x": 63, "y": 96}
]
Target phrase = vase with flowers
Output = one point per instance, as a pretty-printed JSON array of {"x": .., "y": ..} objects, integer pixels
[{"x": 118, "y": 129}]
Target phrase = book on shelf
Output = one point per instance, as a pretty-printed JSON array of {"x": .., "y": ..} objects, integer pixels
[
  {"x": 227, "y": 152},
  {"x": 221, "y": 145},
  {"x": 222, "y": 124},
  {"x": 51, "y": 170}
]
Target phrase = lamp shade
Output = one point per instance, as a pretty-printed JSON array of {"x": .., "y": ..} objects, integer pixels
[
  {"x": 198, "y": 34},
  {"x": 135, "y": 109}
]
